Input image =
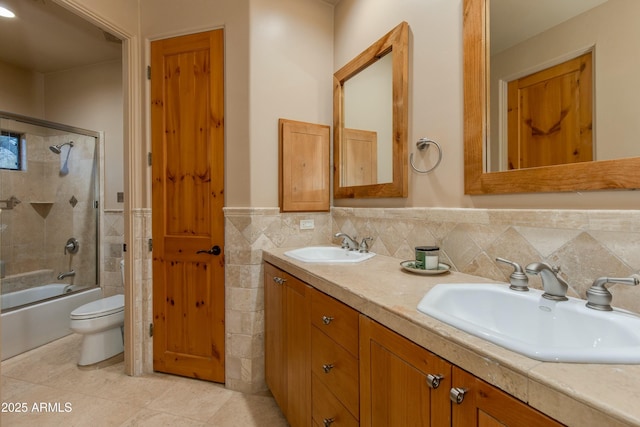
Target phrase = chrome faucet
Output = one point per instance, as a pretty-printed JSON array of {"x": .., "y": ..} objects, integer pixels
[
  {"x": 348, "y": 242},
  {"x": 599, "y": 297},
  {"x": 518, "y": 280},
  {"x": 555, "y": 287},
  {"x": 67, "y": 274}
]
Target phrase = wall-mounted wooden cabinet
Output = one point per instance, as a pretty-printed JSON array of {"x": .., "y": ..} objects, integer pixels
[
  {"x": 328, "y": 365},
  {"x": 304, "y": 166}
]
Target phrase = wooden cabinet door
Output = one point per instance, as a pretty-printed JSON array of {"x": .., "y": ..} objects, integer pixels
[
  {"x": 304, "y": 166},
  {"x": 274, "y": 320},
  {"x": 288, "y": 344},
  {"x": 484, "y": 405},
  {"x": 393, "y": 381}
]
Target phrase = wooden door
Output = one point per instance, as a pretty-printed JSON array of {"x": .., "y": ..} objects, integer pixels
[
  {"x": 187, "y": 124},
  {"x": 550, "y": 116},
  {"x": 393, "y": 381},
  {"x": 360, "y": 157},
  {"x": 484, "y": 405}
]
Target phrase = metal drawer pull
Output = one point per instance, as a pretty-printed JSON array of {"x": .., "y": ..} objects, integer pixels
[
  {"x": 327, "y": 367},
  {"x": 279, "y": 280},
  {"x": 433, "y": 381},
  {"x": 457, "y": 395},
  {"x": 328, "y": 421},
  {"x": 326, "y": 319}
]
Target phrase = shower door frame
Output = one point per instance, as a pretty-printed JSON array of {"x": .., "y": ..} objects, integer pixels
[{"x": 99, "y": 185}]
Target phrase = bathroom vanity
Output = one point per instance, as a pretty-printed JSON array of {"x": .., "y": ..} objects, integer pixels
[{"x": 345, "y": 345}]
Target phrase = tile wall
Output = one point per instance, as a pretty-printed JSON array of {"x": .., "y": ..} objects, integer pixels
[
  {"x": 56, "y": 196},
  {"x": 585, "y": 244}
]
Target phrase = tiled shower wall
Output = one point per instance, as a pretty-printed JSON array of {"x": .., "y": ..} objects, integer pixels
[
  {"x": 585, "y": 244},
  {"x": 54, "y": 207}
]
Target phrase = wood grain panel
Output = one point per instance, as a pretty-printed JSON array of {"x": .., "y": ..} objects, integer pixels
[
  {"x": 343, "y": 326},
  {"x": 393, "y": 387},
  {"x": 304, "y": 166},
  {"x": 360, "y": 157},
  {"x": 486, "y": 406},
  {"x": 187, "y": 127}
]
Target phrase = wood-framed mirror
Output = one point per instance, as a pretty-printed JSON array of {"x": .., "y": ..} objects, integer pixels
[
  {"x": 621, "y": 173},
  {"x": 370, "y": 120}
]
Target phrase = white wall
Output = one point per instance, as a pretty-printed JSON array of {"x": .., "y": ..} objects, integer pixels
[
  {"x": 435, "y": 86},
  {"x": 436, "y": 104},
  {"x": 168, "y": 18},
  {"x": 291, "y": 43},
  {"x": 21, "y": 91},
  {"x": 91, "y": 98},
  {"x": 277, "y": 64}
]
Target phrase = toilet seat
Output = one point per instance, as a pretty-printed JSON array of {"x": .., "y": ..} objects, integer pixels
[{"x": 99, "y": 308}]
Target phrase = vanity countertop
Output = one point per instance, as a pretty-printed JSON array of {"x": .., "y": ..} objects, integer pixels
[{"x": 574, "y": 394}]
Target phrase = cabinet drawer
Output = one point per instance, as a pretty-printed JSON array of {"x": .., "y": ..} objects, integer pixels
[
  {"x": 327, "y": 409},
  {"x": 337, "y": 369},
  {"x": 337, "y": 320}
]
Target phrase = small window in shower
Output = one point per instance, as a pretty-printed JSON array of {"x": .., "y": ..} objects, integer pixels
[{"x": 10, "y": 150}]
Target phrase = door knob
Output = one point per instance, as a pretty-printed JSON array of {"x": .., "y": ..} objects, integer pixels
[{"x": 215, "y": 250}]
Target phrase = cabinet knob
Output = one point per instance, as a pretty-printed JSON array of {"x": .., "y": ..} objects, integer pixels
[
  {"x": 327, "y": 367},
  {"x": 456, "y": 394},
  {"x": 433, "y": 381},
  {"x": 279, "y": 280},
  {"x": 326, "y": 319},
  {"x": 328, "y": 421}
]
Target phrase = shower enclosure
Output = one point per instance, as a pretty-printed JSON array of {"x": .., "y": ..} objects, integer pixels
[{"x": 49, "y": 218}]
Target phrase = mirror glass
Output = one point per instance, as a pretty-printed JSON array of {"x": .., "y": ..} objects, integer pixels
[
  {"x": 367, "y": 134},
  {"x": 370, "y": 120},
  {"x": 607, "y": 30},
  {"x": 543, "y": 112}
]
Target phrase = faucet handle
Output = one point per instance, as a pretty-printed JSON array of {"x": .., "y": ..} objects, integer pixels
[
  {"x": 364, "y": 247},
  {"x": 518, "y": 280},
  {"x": 599, "y": 297}
]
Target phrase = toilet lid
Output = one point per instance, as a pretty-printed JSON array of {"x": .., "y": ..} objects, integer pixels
[{"x": 99, "y": 308}]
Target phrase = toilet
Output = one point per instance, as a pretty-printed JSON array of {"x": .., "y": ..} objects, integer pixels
[{"x": 101, "y": 323}]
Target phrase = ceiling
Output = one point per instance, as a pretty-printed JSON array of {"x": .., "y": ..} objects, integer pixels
[{"x": 45, "y": 37}]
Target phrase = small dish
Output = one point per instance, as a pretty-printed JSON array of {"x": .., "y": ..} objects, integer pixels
[{"x": 410, "y": 266}]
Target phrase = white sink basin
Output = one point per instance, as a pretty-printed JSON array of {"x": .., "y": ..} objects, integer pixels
[
  {"x": 328, "y": 254},
  {"x": 526, "y": 323}
]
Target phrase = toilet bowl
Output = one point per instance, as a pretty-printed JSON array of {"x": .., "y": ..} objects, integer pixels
[{"x": 101, "y": 323}]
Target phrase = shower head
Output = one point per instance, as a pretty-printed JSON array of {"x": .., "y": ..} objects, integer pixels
[{"x": 58, "y": 148}]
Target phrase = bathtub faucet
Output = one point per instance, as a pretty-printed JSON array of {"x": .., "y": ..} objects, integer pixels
[{"x": 67, "y": 274}]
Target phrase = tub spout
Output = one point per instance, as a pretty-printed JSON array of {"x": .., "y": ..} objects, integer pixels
[{"x": 67, "y": 274}]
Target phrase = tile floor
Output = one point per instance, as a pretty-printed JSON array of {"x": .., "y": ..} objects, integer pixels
[{"x": 107, "y": 397}]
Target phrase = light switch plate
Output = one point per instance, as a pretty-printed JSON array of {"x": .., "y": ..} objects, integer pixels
[{"x": 307, "y": 224}]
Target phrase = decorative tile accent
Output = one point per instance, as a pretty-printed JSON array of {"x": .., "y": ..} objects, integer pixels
[
  {"x": 586, "y": 244},
  {"x": 247, "y": 232}
]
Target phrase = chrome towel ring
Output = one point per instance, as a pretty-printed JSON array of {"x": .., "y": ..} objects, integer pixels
[{"x": 423, "y": 144}]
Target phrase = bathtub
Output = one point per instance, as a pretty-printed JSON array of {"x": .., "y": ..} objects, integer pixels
[{"x": 31, "y": 326}]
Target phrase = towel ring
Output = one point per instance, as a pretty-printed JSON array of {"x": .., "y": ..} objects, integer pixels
[{"x": 423, "y": 144}]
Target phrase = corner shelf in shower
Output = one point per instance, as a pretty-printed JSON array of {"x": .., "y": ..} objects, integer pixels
[{"x": 43, "y": 208}]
